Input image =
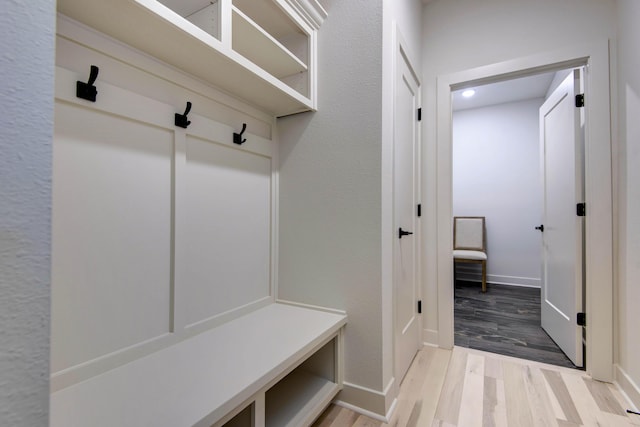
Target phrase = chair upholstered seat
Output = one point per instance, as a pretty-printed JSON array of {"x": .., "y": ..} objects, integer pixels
[
  {"x": 460, "y": 253},
  {"x": 469, "y": 244}
]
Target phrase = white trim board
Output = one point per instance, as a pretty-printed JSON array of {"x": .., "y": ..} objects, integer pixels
[
  {"x": 430, "y": 337},
  {"x": 599, "y": 242},
  {"x": 379, "y": 405},
  {"x": 498, "y": 279},
  {"x": 630, "y": 389},
  {"x": 369, "y": 414},
  {"x": 310, "y": 306},
  {"x": 110, "y": 51}
]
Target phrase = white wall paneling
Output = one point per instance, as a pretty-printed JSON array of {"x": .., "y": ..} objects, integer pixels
[
  {"x": 165, "y": 325},
  {"x": 154, "y": 227},
  {"x": 226, "y": 229},
  {"x": 111, "y": 234}
]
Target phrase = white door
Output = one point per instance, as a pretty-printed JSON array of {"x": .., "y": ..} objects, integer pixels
[
  {"x": 407, "y": 322},
  {"x": 561, "y": 151}
]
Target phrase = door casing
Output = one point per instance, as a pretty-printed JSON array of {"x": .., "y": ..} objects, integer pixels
[{"x": 598, "y": 190}]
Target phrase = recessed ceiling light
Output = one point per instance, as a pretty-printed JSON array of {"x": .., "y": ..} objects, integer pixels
[{"x": 468, "y": 93}]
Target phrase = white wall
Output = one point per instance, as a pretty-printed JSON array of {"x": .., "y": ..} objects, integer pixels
[
  {"x": 330, "y": 198},
  {"x": 496, "y": 174},
  {"x": 335, "y": 188},
  {"x": 464, "y": 34},
  {"x": 26, "y": 127},
  {"x": 628, "y": 290}
]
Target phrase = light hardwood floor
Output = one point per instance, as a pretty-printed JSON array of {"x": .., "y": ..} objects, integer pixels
[{"x": 468, "y": 388}]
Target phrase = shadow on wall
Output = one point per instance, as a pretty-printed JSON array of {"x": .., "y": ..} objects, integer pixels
[{"x": 290, "y": 131}]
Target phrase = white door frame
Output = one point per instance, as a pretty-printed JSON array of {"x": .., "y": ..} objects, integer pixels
[
  {"x": 598, "y": 190},
  {"x": 401, "y": 51}
]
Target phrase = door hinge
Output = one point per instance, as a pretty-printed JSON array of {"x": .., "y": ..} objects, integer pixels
[
  {"x": 419, "y": 306},
  {"x": 419, "y": 114},
  {"x": 581, "y": 319},
  {"x": 580, "y": 100},
  {"x": 581, "y": 209},
  {"x": 419, "y": 212}
]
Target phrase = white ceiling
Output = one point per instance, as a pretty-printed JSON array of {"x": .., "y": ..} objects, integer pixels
[{"x": 507, "y": 91}]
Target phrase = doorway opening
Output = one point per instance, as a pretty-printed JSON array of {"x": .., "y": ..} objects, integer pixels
[
  {"x": 498, "y": 174},
  {"x": 598, "y": 190}
]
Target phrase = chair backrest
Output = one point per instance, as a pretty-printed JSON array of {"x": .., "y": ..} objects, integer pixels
[{"x": 469, "y": 233}]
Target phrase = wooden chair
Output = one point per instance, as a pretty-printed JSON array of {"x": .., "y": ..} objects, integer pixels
[{"x": 469, "y": 243}]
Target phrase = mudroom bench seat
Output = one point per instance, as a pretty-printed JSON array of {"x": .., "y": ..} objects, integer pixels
[{"x": 278, "y": 366}]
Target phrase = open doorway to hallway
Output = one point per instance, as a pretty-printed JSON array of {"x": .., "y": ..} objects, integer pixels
[{"x": 498, "y": 174}]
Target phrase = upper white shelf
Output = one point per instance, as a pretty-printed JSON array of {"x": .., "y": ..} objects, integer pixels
[
  {"x": 250, "y": 65},
  {"x": 251, "y": 41}
]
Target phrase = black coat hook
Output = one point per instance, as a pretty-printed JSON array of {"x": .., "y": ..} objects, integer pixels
[
  {"x": 237, "y": 137},
  {"x": 87, "y": 90},
  {"x": 181, "y": 119}
]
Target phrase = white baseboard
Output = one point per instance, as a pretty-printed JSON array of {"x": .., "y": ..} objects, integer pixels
[
  {"x": 309, "y": 306},
  {"x": 378, "y": 405},
  {"x": 384, "y": 419},
  {"x": 498, "y": 279},
  {"x": 430, "y": 337},
  {"x": 629, "y": 388},
  {"x": 526, "y": 282}
]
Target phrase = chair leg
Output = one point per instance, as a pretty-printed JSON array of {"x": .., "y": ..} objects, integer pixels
[
  {"x": 484, "y": 276},
  {"x": 454, "y": 274}
]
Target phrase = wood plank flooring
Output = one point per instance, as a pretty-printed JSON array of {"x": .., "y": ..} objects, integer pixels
[
  {"x": 504, "y": 320},
  {"x": 468, "y": 388}
]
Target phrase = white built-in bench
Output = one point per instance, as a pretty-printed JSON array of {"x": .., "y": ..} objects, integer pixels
[{"x": 278, "y": 366}]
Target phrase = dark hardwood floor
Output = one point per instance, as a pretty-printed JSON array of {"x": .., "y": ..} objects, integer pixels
[{"x": 504, "y": 320}]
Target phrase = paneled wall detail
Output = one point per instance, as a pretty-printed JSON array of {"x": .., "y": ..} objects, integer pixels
[
  {"x": 159, "y": 232},
  {"x": 226, "y": 229},
  {"x": 111, "y": 234}
]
